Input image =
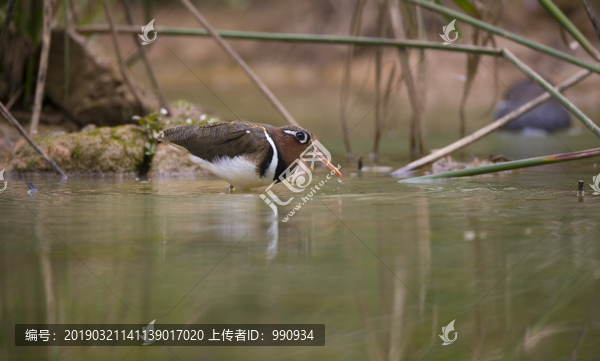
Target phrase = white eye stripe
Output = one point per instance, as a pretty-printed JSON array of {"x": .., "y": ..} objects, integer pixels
[{"x": 295, "y": 134}]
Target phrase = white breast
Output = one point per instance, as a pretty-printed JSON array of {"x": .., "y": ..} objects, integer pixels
[{"x": 240, "y": 171}]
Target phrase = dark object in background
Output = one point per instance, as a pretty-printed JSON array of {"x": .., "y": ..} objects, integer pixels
[
  {"x": 360, "y": 165},
  {"x": 548, "y": 116}
]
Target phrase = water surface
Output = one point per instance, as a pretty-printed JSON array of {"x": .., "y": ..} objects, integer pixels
[{"x": 514, "y": 259}]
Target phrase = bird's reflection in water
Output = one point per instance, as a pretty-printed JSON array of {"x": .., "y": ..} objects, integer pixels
[{"x": 273, "y": 236}]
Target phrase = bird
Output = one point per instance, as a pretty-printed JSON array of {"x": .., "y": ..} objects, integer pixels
[
  {"x": 548, "y": 116},
  {"x": 245, "y": 154}
]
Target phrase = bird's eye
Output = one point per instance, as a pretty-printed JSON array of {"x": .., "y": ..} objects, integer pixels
[{"x": 301, "y": 137}]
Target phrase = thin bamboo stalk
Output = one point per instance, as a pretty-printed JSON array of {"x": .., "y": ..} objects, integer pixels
[
  {"x": 517, "y": 164},
  {"x": 43, "y": 68},
  {"x": 388, "y": 89},
  {"x": 461, "y": 143},
  {"x": 505, "y": 34},
  {"x": 13, "y": 98},
  {"x": 229, "y": 50},
  {"x": 416, "y": 131},
  {"x": 162, "y": 99},
  {"x": 345, "y": 89},
  {"x": 298, "y": 38},
  {"x": 73, "y": 12},
  {"x": 119, "y": 59},
  {"x": 592, "y": 16},
  {"x": 422, "y": 66},
  {"x": 550, "y": 89},
  {"x": 472, "y": 66},
  {"x": 570, "y": 27},
  {"x": 381, "y": 28},
  {"x": 6, "y": 114}
]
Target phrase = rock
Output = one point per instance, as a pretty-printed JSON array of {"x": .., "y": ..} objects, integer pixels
[
  {"x": 548, "y": 116},
  {"x": 97, "y": 93},
  {"x": 89, "y": 127},
  {"x": 169, "y": 160},
  {"x": 119, "y": 149},
  {"x": 447, "y": 164}
]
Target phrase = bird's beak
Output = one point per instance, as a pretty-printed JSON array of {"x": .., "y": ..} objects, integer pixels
[
  {"x": 330, "y": 166},
  {"x": 327, "y": 162}
]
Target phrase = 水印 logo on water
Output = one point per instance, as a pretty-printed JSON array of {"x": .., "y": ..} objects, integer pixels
[{"x": 446, "y": 334}]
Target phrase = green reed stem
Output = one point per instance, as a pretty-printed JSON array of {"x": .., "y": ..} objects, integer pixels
[
  {"x": 570, "y": 27},
  {"x": 300, "y": 38},
  {"x": 505, "y": 34},
  {"x": 517, "y": 164}
]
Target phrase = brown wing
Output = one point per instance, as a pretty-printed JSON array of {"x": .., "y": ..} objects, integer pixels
[{"x": 229, "y": 138}]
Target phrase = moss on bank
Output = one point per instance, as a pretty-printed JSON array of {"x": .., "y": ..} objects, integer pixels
[{"x": 119, "y": 149}]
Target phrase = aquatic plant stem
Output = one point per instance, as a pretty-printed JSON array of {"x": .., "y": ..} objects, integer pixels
[
  {"x": 517, "y": 164},
  {"x": 6, "y": 114},
  {"x": 298, "y": 38},
  {"x": 345, "y": 89},
  {"x": 570, "y": 27},
  {"x": 592, "y": 16},
  {"x": 229, "y": 50},
  {"x": 416, "y": 130},
  {"x": 469, "y": 139},
  {"x": 550, "y": 89},
  {"x": 43, "y": 68},
  {"x": 505, "y": 34},
  {"x": 381, "y": 29}
]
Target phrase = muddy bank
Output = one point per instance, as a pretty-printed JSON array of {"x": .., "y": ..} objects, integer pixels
[
  {"x": 122, "y": 149},
  {"x": 117, "y": 149}
]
